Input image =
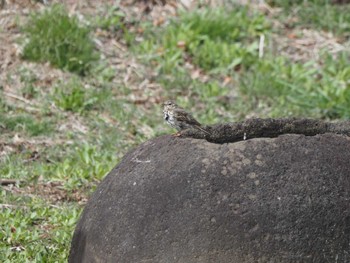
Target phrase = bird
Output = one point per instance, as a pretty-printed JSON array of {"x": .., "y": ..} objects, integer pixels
[{"x": 180, "y": 119}]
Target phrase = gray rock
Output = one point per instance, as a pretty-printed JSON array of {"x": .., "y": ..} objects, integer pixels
[{"x": 285, "y": 199}]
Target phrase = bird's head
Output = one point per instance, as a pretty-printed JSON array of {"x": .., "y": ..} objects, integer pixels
[{"x": 169, "y": 104}]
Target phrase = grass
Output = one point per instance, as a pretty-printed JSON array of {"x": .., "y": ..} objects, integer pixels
[
  {"x": 111, "y": 21},
  {"x": 26, "y": 124},
  {"x": 224, "y": 43},
  {"x": 298, "y": 89},
  {"x": 318, "y": 14},
  {"x": 83, "y": 125},
  {"x": 45, "y": 231},
  {"x": 72, "y": 96},
  {"x": 212, "y": 39},
  {"x": 29, "y": 89},
  {"x": 53, "y": 36}
]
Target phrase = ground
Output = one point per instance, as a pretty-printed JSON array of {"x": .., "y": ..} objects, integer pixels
[{"x": 62, "y": 132}]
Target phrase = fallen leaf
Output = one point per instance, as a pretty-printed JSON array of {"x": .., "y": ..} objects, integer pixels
[{"x": 181, "y": 44}]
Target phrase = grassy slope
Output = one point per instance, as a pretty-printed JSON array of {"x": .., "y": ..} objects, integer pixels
[{"x": 61, "y": 138}]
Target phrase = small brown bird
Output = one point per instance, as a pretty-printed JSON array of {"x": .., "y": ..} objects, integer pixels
[{"x": 179, "y": 119}]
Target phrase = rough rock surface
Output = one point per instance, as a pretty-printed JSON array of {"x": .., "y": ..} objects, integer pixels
[
  {"x": 185, "y": 200},
  {"x": 270, "y": 128}
]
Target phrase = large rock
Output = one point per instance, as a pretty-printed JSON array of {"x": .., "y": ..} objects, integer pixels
[{"x": 187, "y": 200}]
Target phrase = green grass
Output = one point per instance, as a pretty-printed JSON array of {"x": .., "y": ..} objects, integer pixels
[
  {"x": 225, "y": 43},
  {"x": 318, "y": 14},
  {"x": 36, "y": 232},
  {"x": 42, "y": 229},
  {"x": 295, "y": 89},
  {"x": 26, "y": 124},
  {"x": 83, "y": 126},
  {"x": 72, "y": 96},
  {"x": 112, "y": 19},
  {"x": 29, "y": 89},
  {"x": 62, "y": 40},
  {"x": 212, "y": 39}
]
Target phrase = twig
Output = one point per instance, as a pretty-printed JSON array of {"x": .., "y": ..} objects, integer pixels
[
  {"x": 29, "y": 108},
  {"x": 119, "y": 46},
  {"x": 10, "y": 181},
  {"x": 26, "y": 108},
  {"x": 2, "y": 206},
  {"x": 261, "y": 46},
  {"x": 14, "y": 96}
]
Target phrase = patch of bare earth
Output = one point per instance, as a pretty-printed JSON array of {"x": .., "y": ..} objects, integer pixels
[
  {"x": 300, "y": 44},
  {"x": 52, "y": 192}
]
